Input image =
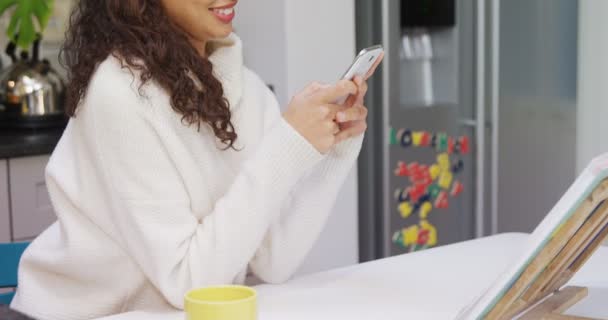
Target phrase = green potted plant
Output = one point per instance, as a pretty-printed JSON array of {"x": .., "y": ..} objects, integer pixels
[{"x": 30, "y": 18}]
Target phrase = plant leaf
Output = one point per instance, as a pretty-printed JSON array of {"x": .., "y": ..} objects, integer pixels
[
  {"x": 27, "y": 33},
  {"x": 22, "y": 21},
  {"x": 11, "y": 31},
  {"x": 24, "y": 25},
  {"x": 43, "y": 10},
  {"x": 5, "y": 4}
]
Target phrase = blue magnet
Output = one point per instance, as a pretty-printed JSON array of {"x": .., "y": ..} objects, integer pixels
[{"x": 406, "y": 139}]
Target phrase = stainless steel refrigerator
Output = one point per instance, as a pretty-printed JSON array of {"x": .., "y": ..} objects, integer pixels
[{"x": 472, "y": 123}]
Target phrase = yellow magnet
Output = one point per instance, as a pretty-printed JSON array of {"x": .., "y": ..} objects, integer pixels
[
  {"x": 425, "y": 209},
  {"x": 434, "y": 172},
  {"x": 445, "y": 180},
  {"x": 417, "y": 137},
  {"x": 443, "y": 160},
  {"x": 405, "y": 209},
  {"x": 411, "y": 235}
]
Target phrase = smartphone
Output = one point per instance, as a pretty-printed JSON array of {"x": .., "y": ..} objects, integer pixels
[{"x": 362, "y": 65}]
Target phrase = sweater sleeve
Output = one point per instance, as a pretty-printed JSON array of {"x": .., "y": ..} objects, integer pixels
[
  {"x": 304, "y": 212},
  {"x": 151, "y": 210}
]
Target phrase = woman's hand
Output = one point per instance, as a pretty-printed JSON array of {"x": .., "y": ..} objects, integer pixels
[
  {"x": 312, "y": 113},
  {"x": 353, "y": 120}
]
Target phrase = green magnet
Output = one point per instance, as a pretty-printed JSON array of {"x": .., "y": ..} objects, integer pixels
[
  {"x": 393, "y": 137},
  {"x": 398, "y": 238},
  {"x": 434, "y": 190},
  {"x": 442, "y": 142}
]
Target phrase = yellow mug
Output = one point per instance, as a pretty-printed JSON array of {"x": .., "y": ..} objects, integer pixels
[{"x": 221, "y": 303}]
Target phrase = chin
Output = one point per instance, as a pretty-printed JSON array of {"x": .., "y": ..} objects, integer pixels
[
  {"x": 218, "y": 31},
  {"x": 223, "y": 32}
]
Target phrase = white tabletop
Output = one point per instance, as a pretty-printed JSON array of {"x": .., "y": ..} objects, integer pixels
[{"x": 432, "y": 284}]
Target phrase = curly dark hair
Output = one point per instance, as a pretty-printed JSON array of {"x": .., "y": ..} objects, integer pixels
[{"x": 140, "y": 34}]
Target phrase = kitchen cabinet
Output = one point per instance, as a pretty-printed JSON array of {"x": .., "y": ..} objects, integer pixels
[
  {"x": 5, "y": 231},
  {"x": 31, "y": 208}
]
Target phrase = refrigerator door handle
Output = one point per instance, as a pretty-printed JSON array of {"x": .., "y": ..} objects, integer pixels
[
  {"x": 495, "y": 116},
  {"x": 480, "y": 122},
  {"x": 487, "y": 91},
  {"x": 391, "y": 34}
]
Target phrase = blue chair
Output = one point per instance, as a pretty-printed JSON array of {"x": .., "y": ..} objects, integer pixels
[{"x": 10, "y": 254}]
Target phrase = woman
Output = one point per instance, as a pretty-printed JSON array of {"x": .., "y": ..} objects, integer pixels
[{"x": 177, "y": 170}]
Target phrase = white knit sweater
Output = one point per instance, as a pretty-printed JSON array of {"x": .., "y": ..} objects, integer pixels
[{"x": 149, "y": 208}]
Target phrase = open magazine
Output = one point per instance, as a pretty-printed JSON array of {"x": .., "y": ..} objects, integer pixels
[{"x": 588, "y": 181}]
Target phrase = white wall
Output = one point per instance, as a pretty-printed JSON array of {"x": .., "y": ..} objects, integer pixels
[
  {"x": 261, "y": 26},
  {"x": 312, "y": 40},
  {"x": 321, "y": 40},
  {"x": 321, "y": 45},
  {"x": 592, "y": 81}
]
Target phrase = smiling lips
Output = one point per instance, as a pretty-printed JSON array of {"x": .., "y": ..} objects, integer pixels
[{"x": 225, "y": 14}]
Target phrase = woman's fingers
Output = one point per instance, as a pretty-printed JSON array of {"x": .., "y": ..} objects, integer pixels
[
  {"x": 333, "y": 93},
  {"x": 355, "y": 113},
  {"x": 357, "y": 99},
  {"x": 350, "y": 130},
  {"x": 329, "y": 111},
  {"x": 314, "y": 87},
  {"x": 362, "y": 92},
  {"x": 352, "y": 122},
  {"x": 335, "y": 128}
]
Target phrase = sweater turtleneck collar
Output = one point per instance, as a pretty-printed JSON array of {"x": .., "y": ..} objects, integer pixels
[{"x": 226, "y": 56}]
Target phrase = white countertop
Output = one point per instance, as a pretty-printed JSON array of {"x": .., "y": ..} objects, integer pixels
[{"x": 432, "y": 284}]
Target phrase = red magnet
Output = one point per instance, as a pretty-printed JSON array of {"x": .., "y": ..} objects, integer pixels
[
  {"x": 421, "y": 174},
  {"x": 457, "y": 189},
  {"x": 412, "y": 168},
  {"x": 401, "y": 170},
  {"x": 416, "y": 192},
  {"x": 450, "y": 145},
  {"x": 423, "y": 169},
  {"x": 427, "y": 181},
  {"x": 442, "y": 201},
  {"x": 423, "y": 237},
  {"x": 413, "y": 195},
  {"x": 425, "y": 141},
  {"x": 463, "y": 143}
]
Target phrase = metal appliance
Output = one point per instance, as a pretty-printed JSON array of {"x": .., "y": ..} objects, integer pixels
[
  {"x": 472, "y": 122},
  {"x": 31, "y": 92}
]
